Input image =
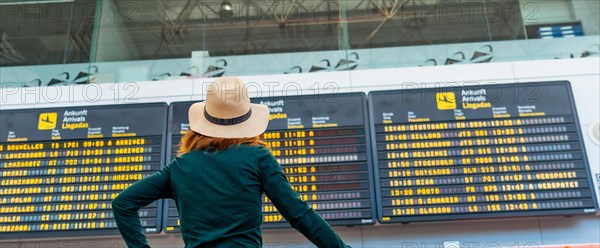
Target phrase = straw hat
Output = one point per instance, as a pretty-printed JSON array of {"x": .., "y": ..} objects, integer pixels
[{"x": 227, "y": 111}]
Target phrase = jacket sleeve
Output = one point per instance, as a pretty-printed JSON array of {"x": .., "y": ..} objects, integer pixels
[
  {"x": 126, "y": 205},
  {"x": 297, "y": 212}
]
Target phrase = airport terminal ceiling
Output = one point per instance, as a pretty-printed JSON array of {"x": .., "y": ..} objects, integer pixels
[{"x": 68, "y": 32}]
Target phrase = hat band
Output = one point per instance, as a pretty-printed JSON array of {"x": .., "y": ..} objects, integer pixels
[{"x": 227, "y": 122}]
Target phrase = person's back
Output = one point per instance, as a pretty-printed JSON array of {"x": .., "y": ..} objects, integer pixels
[
  {"x": 218, "y": 180},
  {"x": 219, "y": 196}
]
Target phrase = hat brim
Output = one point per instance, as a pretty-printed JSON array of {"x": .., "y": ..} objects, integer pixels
[{"x": 254, "y": 126}]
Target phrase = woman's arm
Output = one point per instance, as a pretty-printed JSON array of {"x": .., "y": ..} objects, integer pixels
[
  {"x": 297, "y": 212},
  {"x": 125, "y": 206}
]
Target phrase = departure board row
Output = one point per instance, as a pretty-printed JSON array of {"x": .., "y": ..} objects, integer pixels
[
  {"x": 479, "y": 152},
  {"x": 430, "y": 154},
  {"x": 322, "y": 145},
  {"x": 61, "y": 168}
]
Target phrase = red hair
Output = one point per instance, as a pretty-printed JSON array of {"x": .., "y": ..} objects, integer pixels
[{"x": 194, "y": 141}]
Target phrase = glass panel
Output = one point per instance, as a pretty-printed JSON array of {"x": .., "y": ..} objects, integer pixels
[
  {"x": 392, "y": 23},
  {"x": 45, "y": 32},
  {"x": 174, "y": 29}
]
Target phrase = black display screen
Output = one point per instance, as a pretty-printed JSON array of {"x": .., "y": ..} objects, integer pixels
[
  {"x": 60, "y": 168},
  {"x": 322, "y": 143},
  {"x": 479, "y": 152}
]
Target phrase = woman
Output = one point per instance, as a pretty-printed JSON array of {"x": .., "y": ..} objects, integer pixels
[{"x": 218, "y": 179}]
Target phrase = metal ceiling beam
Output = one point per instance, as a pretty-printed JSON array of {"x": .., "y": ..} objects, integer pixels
[
  {"x": 388, "y": 14},
  {"x": 8, "y": 53},
  {"x": 173, "y": 29}
]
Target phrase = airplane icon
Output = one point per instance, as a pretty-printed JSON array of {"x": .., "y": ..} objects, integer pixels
[
  {"x": 47, "y": 121},
  {"x": 445, "y": 100}
]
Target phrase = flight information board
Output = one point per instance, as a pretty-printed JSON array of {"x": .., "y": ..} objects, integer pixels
[
  {"x": 479, "y": 152},
  {"x": 322, "y": 143},
  {"x": 60, "y": 168}
]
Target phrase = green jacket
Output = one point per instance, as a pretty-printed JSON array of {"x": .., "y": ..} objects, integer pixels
[{"x": 218, "y": 196}]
